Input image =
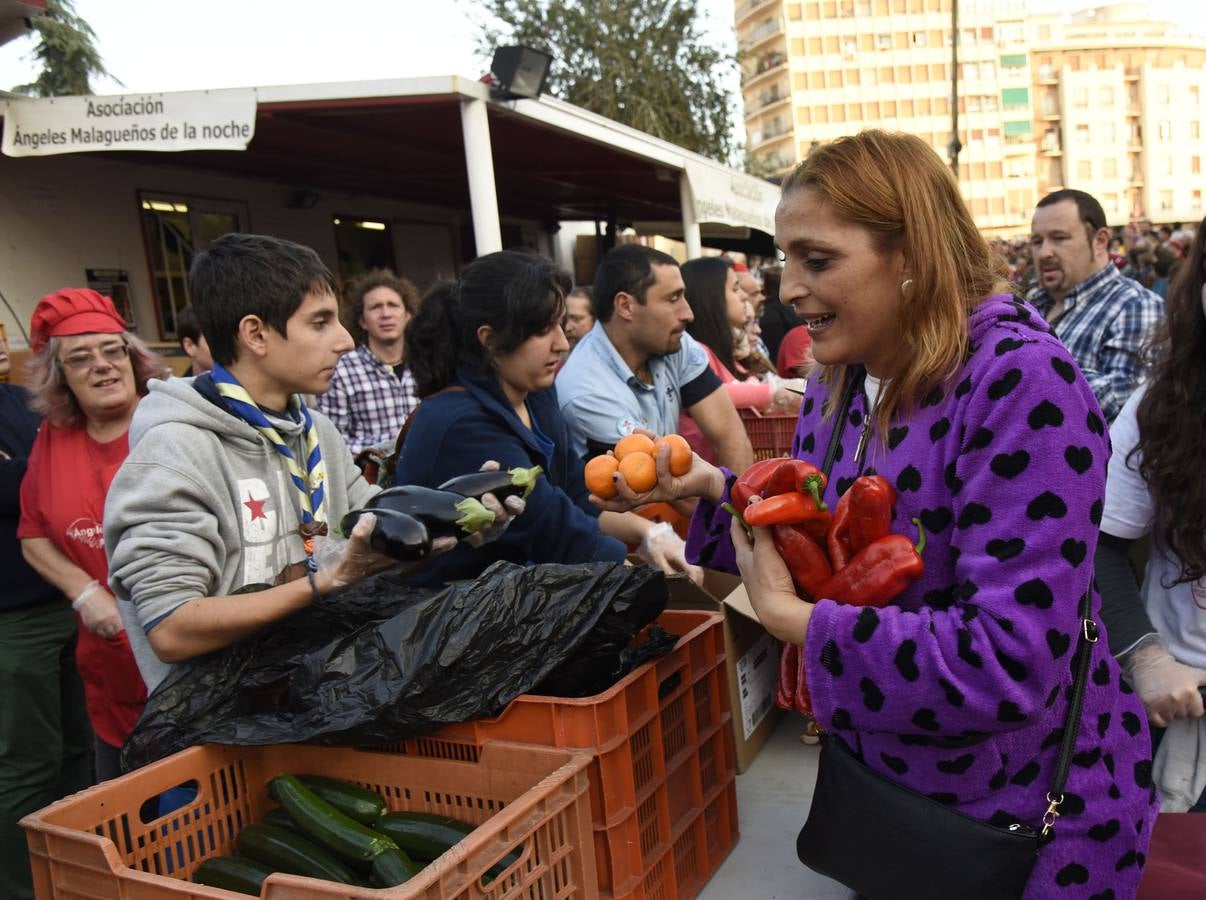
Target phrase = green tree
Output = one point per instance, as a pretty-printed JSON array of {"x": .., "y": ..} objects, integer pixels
[
  {"x": 67, "y": 52},
  {"x": 644, "y": 63}
]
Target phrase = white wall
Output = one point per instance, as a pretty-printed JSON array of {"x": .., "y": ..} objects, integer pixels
[{"x": 61, "y": 215}]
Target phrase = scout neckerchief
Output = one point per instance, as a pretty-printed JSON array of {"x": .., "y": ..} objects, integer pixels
[{"x": 310, "y": 484}]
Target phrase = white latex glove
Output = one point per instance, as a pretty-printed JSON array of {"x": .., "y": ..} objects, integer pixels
[
  {"x": 663, "y": 548},
  {"x": 1168, "y": 689},
  {"x": 98, "y": 611},
  {"x": 503, "y": 512}
]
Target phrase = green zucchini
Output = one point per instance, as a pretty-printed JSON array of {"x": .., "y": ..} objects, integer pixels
[
  {"x": 352, "y": 800},
  {"x": 393, "y": 867},
  {"x": 279, "y": 817},
  {"x": 342, "y": 835},
  {"x": 287, "y": 851},
  {"x": 244, "y": 876},
  {"x": 428, "y": 835}
]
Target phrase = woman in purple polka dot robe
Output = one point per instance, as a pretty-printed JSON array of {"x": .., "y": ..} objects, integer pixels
[{"x": 964, "y": 400}]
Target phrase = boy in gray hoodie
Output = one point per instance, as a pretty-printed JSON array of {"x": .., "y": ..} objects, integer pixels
[{"x": 209, "y": 524}]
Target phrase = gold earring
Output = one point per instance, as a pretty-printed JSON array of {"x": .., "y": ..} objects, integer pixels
[{"x": 905, "y": 285}]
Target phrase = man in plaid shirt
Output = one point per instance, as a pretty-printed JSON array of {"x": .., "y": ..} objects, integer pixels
[
  {"x": 1101, "y": 316},
  {"x": 372, "y": 391}
]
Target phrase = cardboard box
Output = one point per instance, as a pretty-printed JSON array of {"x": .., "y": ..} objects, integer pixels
[{"x": 751, "y": 658}]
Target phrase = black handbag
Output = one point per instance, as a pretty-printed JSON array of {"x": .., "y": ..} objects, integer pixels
[{"x": 888, "y": 842}]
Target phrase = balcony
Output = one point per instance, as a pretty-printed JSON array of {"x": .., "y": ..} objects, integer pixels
[
  {"x": 764, "y": 138},
  {"x": 761, "y": 33},
  {"x": 767, "y": 98},
  {"x": 748, "y": 8},
  {"x": 769, "y": 62}
]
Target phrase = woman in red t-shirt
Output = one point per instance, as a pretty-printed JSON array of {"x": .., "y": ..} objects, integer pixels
[{"x": 87, "y": 377}]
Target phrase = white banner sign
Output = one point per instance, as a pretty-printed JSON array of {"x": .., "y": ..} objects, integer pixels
[
  {"x": 732, "y": 198},
  {"x": 188, "y": 120}
]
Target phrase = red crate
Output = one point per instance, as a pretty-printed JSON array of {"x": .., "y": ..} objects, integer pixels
[
  {"x": 531, "y": 800},
  {"x": 661, "y": 745},
  {"x": 770, "y": 436}
]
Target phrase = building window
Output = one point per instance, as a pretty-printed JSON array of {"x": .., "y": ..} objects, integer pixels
[
  {"x": 883, "y": 42},
  {"x": 1084, "y": 170},
  {"x": 176, "y": 229},
  {"x": 1166, "y": 200},
  {"x": 918, "y": 38},
  {"x": 1195, "y": 95},
  {"x": 1164, "y": 130},
  {"x": 1015, "y": 98},
  {"x": 1082, "y": 134},
  {"x": 1110, "y": 202},
  {"x": 1166, "y": 163},
  {"x": 1195, "y": 130},
  {"x": 1109, "y": 167},
  {"x": 1105, "y": 95},
  {"x": 1080, "y": 97},
  {"x": 1195, "y": 165},
  {"x": 1197, "y": 199},
  {"x": 1164, "y": 94}
]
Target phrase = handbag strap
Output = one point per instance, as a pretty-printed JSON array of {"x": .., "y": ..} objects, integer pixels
[
  {"x": 1089, "y": 634},
  {"x": 839, "y": 425}
]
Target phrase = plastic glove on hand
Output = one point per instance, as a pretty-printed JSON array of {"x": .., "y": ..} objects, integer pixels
[
  {"x": 1168, "y": 689},
  {"x": 663, "y": 548},
  {"x": 98, "y": 611}
]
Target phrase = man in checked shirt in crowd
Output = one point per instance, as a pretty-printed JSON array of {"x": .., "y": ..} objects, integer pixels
[
  {"x": 373, "y": 392},
  {"x": 1101, "y": 316}
]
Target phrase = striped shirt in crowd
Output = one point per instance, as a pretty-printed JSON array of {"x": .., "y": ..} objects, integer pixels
[
  {"x": 1105, "y": 321},
  {"x": 368, "y": 401}
]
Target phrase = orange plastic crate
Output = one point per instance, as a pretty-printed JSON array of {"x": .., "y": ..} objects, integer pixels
[
  {"x": 661, "y": 745},
  {"x": 770, "y": 436},
  {"x": 533, "y": 800}
]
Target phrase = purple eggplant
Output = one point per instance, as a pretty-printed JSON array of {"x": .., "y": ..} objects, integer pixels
[
  {"x": 517, "y": 482},
  {"x": 395, "y": 534},
  {"x": 444, "y": 513}
]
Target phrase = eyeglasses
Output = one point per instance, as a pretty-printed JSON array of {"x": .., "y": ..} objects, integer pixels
[{"x": 83, "y": 360}]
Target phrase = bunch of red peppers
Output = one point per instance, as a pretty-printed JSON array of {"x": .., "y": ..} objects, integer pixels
[{"x": 849, "y": 555}]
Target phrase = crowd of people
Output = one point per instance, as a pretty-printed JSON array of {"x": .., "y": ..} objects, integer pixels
[{"x": 150, "y": 520}]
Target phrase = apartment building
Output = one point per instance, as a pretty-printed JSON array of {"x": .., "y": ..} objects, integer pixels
[{"x": 1031, "y": 96}]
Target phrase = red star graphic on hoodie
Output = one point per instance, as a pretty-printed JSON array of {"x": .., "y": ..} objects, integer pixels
[{"x": 256, "y": 507}]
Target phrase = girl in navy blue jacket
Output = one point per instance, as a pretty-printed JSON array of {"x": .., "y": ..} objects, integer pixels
[{"x": 484, "y": 352}]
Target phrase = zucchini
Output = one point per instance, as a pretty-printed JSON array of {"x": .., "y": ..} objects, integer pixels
[
  {"x": 244, "y": 876},
  {"x": 279, "y": 817},
  {"x": 429, "y": 835},
  {"x": 287, "y": 851},
  {"x": 342, "y": 835},
  {"x": 393, "y": 867},
  {"x": 352, "y": 800}
]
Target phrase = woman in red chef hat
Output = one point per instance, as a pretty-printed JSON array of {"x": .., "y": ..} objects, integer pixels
[{"x": 86, "y": 377}]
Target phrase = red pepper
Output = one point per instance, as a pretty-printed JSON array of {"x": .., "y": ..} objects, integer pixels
[
  {"x": 789, "y": 664},
  {"x": 837, "y": 538},
  {"x": 793, "y": 475},
  {"x": 879, "y": 572},
  {"x": 753, "y": 481},
  {"x": 804, "y": 557},
  {"x": 788, "y": 509},
  {"x": 871, "y": 500}
]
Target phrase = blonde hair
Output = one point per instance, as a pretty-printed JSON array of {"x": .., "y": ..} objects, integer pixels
[
  {"x": 51, "y": 397},
  {"x": 895, "y": 186}
]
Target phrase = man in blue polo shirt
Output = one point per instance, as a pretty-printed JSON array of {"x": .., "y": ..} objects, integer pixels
[{"x": 638, "y": 368}]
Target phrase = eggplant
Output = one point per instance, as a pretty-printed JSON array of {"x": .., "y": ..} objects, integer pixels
[
  {"x": 517, "y": 482},
  {"x": 444, "y": 513},
  {"x": 395, "y": 534}
]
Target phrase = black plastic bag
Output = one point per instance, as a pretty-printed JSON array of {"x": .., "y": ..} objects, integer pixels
[{"x": 382, "y": 662}]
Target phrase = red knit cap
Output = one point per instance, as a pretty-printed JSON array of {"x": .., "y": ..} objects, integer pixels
[{"x": 73, "y": 311}]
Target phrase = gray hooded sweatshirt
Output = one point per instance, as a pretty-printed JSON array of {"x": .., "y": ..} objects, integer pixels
[{"x": 204, "y": 506}]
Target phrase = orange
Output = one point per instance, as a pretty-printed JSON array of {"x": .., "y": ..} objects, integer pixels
[
  {"x": 633, "y": 443},
  {"x": 640, "y": 471},
  {"x": 598, "y": 476},
  {"x": 680, "y": 453}
]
